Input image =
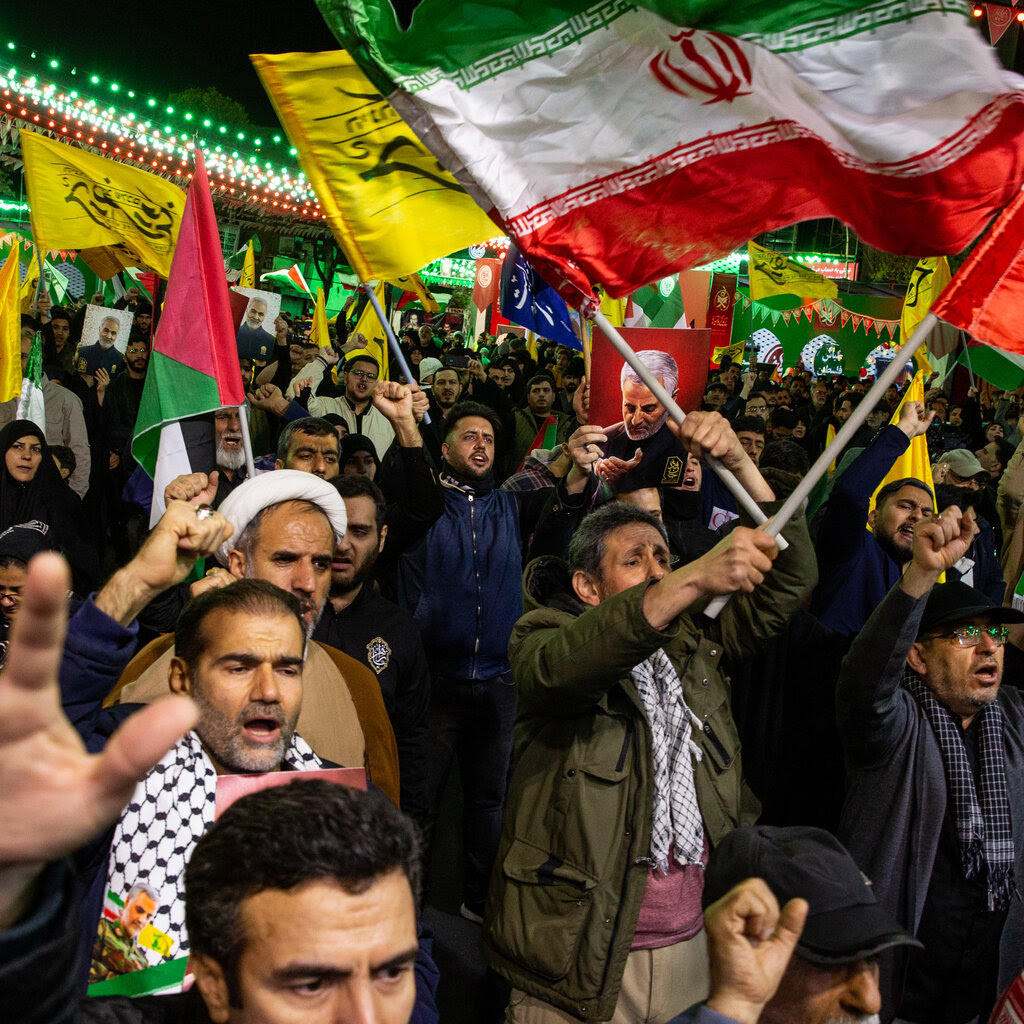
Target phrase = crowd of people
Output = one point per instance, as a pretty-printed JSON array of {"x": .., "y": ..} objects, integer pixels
[{"x": 805, "y": 809}]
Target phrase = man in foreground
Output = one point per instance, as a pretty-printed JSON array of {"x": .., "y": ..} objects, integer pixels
[
  {"x": 924, "y": 719},
  {"x": 813, "y": 962},
  {"x": 301, "y": 898},
  {"x": 628, "y": 766}
]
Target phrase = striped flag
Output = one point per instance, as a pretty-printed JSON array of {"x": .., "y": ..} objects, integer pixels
[
  {"x": 622, "y": 140},
  {"x": 291, "y": 277},
  {"x": 194, "y": 368}
]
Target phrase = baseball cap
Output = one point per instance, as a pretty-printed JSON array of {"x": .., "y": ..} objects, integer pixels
[
  {"x": 963, "y": 462},
  {"x": 845, "y": 922},
  {"x": 956, "y": 602}
]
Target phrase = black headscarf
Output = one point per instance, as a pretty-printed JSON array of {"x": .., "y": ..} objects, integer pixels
[{"x": 46, "y": 498}]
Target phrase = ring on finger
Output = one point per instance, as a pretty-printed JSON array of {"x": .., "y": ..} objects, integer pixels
[{"x": 203, "y": 511}]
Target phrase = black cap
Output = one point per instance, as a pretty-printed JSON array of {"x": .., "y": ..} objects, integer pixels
[
  {"x": 956, "y": 602},
  {"x": 845, "y": 922}
]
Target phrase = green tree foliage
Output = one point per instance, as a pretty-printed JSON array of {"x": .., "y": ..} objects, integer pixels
[{"x": 208, "y": 102}]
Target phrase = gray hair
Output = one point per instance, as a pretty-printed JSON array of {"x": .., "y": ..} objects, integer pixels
[
  {"x": 661, "y": 364},
  {"x": 142, "y": 887},
  {"x": 587, "y": 547}
]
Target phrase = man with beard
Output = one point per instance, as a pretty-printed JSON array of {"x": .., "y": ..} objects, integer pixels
[
  {"x": 124, "y": 396},
  {"x": 355, "y": 406},
  {"x": 461, "y": 581},
  {"x": 641, "y": 451},
  {"x": 286, "y": 525},
  {"x": 926, "y": 724},
  {"x": 253, "y": 339},
  {"x": 856, "y": 567},
  {"x": 527, "y": 424},
  {"x": 379, "y": 633}
]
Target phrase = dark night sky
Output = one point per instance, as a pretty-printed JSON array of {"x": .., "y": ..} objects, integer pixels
[{"x": 164, "y": 47}]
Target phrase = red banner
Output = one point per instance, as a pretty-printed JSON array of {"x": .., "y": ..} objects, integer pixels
[
  {"x": 720, "y": 307},
  {"x": 487, "y": 283}
]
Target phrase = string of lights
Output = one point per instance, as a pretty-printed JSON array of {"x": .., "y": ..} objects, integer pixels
[{"x": 133, "y": 133}]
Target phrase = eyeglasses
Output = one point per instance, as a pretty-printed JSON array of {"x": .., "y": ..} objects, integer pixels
[
  {"x": 363, "y": 374},
  {"x": 970, "y": 636}
]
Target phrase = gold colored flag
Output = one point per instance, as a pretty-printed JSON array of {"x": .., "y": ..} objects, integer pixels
[
  {"x": 319, "y": 334},
  {"x": 10, "y": 327},
  {"x": 734, "y": 352},
  {"x": 115, "y": 215},
  {"x": 390, "y": 204},
  {"x": 370, "y": 327},
  {"x": 774, "y": 273},
  {"x": 247, "y": 279},
  {"x": 930, "y": 277}
]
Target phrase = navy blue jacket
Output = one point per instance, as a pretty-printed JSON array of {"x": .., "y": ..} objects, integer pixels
[
  {"x": 854, "y": 572},
  {"x": 463, "y": 583}
]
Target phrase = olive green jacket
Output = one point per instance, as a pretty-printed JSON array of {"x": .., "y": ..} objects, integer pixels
[{"x": 570, "y": 873}]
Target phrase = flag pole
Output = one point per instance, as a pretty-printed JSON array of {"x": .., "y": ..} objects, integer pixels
[
  {"x": 658, "y": 390},
  {"x": 39, "y": 280},
  {"x": 820, "y": 467},
  {"x": 396, "y": 352},
  {"x": 243, "y": 419}
]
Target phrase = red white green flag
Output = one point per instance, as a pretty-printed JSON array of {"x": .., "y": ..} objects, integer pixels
[
  {"x": 194, "y": 368},
  {"x": 621, "y": 141}
]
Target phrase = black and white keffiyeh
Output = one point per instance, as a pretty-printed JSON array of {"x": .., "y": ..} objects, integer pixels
[
  {"x": 983, "y": 827},
  {"x": 168, "y": 812},
  {"x": 677, "y": 826}
]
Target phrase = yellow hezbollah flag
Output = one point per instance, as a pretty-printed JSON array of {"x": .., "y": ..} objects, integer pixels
[
  {"x": 734, "y": 352},
  {"x": 390, "y": 204},
  {"x": 10, "y": 328},
  {"x": 247, "y": 279},
  {"x": 319, "y": 334},
  {"x": 613, "y": 309},
  {"x": 914, "y": 461},
  {"x": 930, "y": 277},
  {"x": 369, "y": 326},
  {"x": 774, "y": 273},
  {"x": 117, "y": 216},
  {"x": 414, "y": 283}
]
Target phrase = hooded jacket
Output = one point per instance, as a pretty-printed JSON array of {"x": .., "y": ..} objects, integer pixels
[{"x": 570, "y": 874}]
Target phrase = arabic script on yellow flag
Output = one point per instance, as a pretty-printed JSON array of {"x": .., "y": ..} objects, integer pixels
[
  {"x": 370, "y": 327},
  {"x": 117, "y": 216},
  {"x": 774, "y": 273},
  {"x": 390, "y": 204},
  {"x": 930, "y": 277}
]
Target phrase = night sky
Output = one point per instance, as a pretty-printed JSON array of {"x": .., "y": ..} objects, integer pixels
[{"x": 162, "y": 47}]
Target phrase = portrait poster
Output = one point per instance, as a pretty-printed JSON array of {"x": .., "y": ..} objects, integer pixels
[
  {"x": 256, "y": 336},
  {"x": 637, "y": 420},
  {"x": 105, "y": 334}
]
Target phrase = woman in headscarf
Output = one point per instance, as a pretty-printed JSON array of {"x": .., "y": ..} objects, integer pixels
[{"x": 31, "y": 490}]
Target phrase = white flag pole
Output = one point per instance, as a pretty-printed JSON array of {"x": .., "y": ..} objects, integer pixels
[
  {"x": 658, "y": 390},
  {"x": 243, "y": 420},
  {"x": 794, "y": 502},
  {"x": 396, "y": 352}
]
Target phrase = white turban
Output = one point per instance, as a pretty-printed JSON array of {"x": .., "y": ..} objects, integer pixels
[{"x": 250, "y": 498}]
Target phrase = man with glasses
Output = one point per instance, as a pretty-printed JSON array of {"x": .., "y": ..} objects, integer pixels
[
  {"x": 356, "y": 406},
  {"x": 934, "y": 813}
]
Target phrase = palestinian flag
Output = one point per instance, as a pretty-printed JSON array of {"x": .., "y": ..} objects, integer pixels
[
  {"x": 291, "y": 277},
  {"x": 194, "y": 368},
  {"x": 621, "y": 141}
]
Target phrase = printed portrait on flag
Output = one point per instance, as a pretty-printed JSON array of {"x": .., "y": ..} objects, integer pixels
[
  {"x": 255, "y": 335},
  {"x": 126, "y": 932},
  {"x": 641, "y": 450},
  {"x": 105, "y": 334}
]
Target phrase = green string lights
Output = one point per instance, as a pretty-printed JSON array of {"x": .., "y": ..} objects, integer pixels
[{"x": 161, "y": 146}]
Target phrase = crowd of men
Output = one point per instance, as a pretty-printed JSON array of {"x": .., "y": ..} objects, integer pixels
[{"x": 804, "y": 809}]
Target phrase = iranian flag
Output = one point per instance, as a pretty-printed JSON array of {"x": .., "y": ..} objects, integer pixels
[
  {"x": 194, "y": 368},
  {"x": 619, "y": 142}
]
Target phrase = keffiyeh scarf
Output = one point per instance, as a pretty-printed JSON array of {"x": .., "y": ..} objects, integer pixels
[
  {"x": 170, "y": 809},
  {"x": 982, "y": 826},
  {"x": 677, "y": 826}
]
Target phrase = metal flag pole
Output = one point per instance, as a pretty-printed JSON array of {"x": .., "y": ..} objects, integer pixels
[
  {"x": 820, "y": 467},
  {"x": 658, "y": 390},
  {"x": 396, "y": 352}
]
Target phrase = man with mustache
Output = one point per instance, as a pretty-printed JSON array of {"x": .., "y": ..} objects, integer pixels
[
  {"x": 924, "y": 721},
  {"x": 286, "y": 525}
]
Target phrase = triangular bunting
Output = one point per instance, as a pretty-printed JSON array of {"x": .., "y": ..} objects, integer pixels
[
  {"x": 857, "y": 321},
  {"x": 844, "y": 318},
  {"x": 999, "y": 20}
]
